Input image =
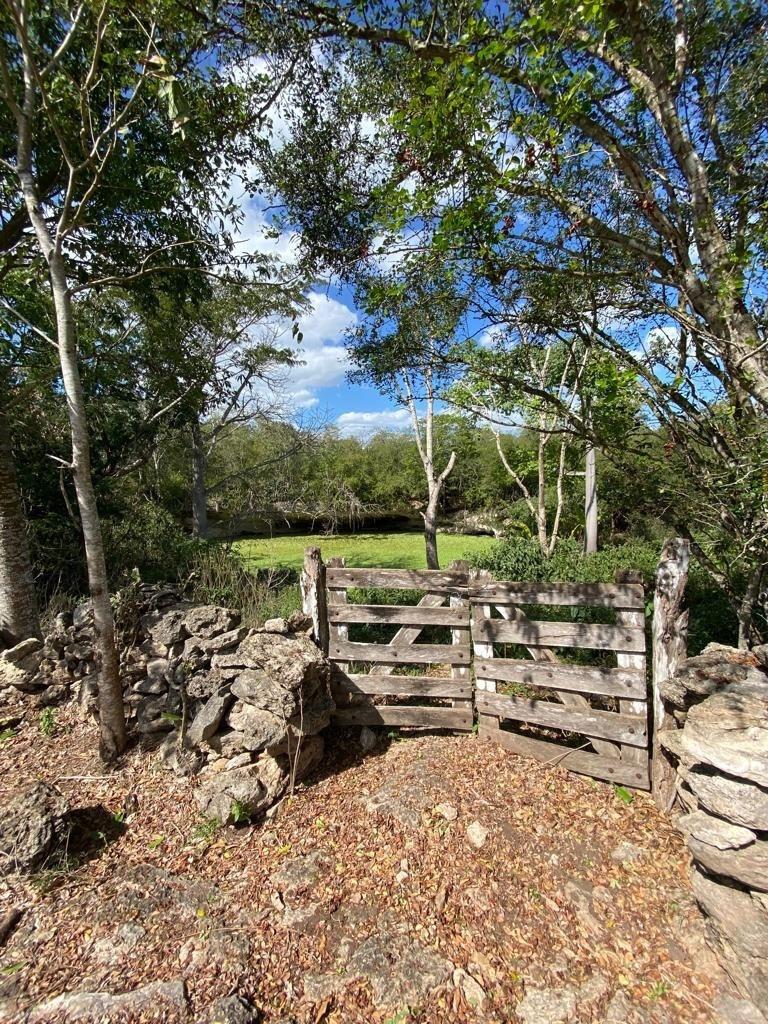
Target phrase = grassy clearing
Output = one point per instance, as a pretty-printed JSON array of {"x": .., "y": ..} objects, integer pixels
[{"x": 361, "y": 550}]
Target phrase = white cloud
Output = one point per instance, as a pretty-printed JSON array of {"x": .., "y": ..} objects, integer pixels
[{"x": 363, "y": 424}]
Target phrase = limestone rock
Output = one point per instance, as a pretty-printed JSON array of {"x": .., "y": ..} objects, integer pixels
[
  {"x": 730, "y": 732},
  {"x": 255, "y": 687},
  {"x": 716, "y": 832},
  {"x": 262, "y": 728},
  {"x": 734, "y": 799},
  {"x": 294, "y": 660},
  {"x": 209, "y": 620},
  {"x": 367, "y": 739},
  {"x": 739, "y": 927},
  {"x": 104, "y": 1006},
  {"x": 729, "y": 1010},
  {"x": 227, "y": 796},
  {"x": 747, "y": 865},
  {"x": 231, "y": 1010},
  {"x": 204, "y": 683},
  {"x": 166, "y": 627},
  {"x": 716, "y": 668},
  {"x": 22, "y": 650},
  {"x": 401, "y": 972},
  {"x": 208, "y": 719},
  {"x": 32, "y": 824},
  {"x": 547, "y": 1006},
  {"x": 477, "y": 834}
]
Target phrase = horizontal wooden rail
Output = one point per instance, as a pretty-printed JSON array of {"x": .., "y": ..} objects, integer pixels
[
  {"x": 403, "y": 686},
  {"x": 399, "y": 614},
  {"x": 608, "y": 725},
  {"x": 539, "y": 633},
  {"x": 424, "y": 717},
  {"x": 402, "y": 654},
  {"x": 604, "y": 682},
  {"x": 584, "y": 762},
  {"x": 433, "y": 581},
  {"x": 592, "y": 595}
]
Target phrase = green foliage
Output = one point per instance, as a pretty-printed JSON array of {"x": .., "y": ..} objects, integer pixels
[
  {"x": 239, "y": 813},
  {"x": 150, "y": 540},
  {"x": 47, "y": 721},
  {"x": 711, "y": 618},
  {"x": 623, "y": 794}
]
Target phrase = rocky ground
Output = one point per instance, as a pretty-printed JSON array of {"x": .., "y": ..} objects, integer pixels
[{"x": 434, "y": 879}]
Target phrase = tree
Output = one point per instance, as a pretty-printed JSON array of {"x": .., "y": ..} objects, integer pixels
[
  {"x": 633, "y": 126},
  {"x": 412, "y": 318},
  {"x": 18, "y": 604},
  {"x": 75, "y": 85}
]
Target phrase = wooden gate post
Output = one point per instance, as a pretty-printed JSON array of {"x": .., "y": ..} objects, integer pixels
[
  {"x": 670, "y": 646},
  {"x": 314, "y": 598}
]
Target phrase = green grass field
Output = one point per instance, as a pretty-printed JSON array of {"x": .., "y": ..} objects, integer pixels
[{"x": 361, "y": 550}]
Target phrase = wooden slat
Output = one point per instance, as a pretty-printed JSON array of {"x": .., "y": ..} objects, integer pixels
[
  {"x": 425, "y": 718},
  {"x": 337, "y": 596},
  {"x": 402, "y": 654},
  {"x": 606, "y": 682},
  {"x": 433, "y": 580},
  {"x": 410, "y": 634},
  {"x": 560, "y": 634},
  {"x": 628, "y": 729},
  {"x": 403, "y": 686},
  {"x": 629, "y": 618},
  {"x": 555, "y": 754},
  {"x": 399, "y": 614},
  {"x": 591, "y": 595}
]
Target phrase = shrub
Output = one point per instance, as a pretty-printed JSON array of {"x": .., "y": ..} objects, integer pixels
[
  {"x": 149, "y": 540},
  {"x": 711, "y": 617}
]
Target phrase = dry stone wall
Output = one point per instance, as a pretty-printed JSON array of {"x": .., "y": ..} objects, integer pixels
[
  {"x": 720, "y": 699},
  {"x": 241, "y": 708}
]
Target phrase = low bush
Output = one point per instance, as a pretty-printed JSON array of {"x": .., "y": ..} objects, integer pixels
[{"x": 711, "y": 617}]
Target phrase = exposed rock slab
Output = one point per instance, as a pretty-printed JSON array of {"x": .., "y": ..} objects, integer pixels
[
  {"x": 32, "y": 824},
  {"x": 153, "y": 1000},
  {"x": 730, "y": 732}
]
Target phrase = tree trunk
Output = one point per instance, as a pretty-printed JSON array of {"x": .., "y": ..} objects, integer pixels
[
  {"x": 111, "y": 709},
  {"x": 590, "y": 501},
  {"x": 541, "y": 498},
  {"x": 430, "y": 532},
  {"x": 670, "y": 643},
  {"x": 18, "y": 605},
  {"x": 199, "y": 493},
  {"x": 746, "y": 609}
]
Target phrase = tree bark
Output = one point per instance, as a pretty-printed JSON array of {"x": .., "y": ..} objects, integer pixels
[
  {"x": 111, "y": 708},
  {"x": 199, "y": 493},
  {"x": 746, "y": 609},
  {"x": 670, "y": 644},
  {"x": 18, "y": 604},
  {"x": 430, "y": 532},
  {"x": 590, "y": 501}
]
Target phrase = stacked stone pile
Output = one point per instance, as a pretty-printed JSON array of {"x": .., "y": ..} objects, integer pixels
[
  {"x": 243, "y": 707},
  {"x": 721, "y": 700}
]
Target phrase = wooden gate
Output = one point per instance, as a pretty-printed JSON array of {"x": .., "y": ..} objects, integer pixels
[
  {"x": 591, "y": 718},
  {"x": 404, "y": 679},
  {"x": 545, "y": 685}
]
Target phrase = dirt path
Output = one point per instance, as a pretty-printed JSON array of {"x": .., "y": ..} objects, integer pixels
[{"x": 437, "y": 880}]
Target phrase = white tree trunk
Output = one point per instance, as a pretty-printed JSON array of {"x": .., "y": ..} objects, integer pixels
[
  {"x": 111, "y": 709},
  {"x": 199, "y": 493},
  {"x": 18, "y": 605},
  {"x": 590, "y": 501}
]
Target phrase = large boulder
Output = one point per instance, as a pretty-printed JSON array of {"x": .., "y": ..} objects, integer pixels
[
  {"x": 20, "y": 666},
  {"x": 735, "y": 799},
  {"x": 209, "y": 620},
  {"x": 738, "y": 923},
  {"x": 729, "y": 731},
  {"x": 32, "y": 825},
  {"x": 241, "y": 793},
  {"x": 715, "y": 669}
]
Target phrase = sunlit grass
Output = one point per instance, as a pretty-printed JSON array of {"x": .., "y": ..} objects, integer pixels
[{"x": 361, "y": 550}]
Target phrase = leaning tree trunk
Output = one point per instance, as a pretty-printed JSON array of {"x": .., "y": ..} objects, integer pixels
[
  {"x": 199, "y": 493},
  {"x": 590, "y": 501},
  {"x": 111, "y": 708},
  {"x": 18, "y": 605}
]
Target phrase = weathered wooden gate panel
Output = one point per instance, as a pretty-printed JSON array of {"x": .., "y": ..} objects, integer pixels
[
  {"x": 439, "y": 694},
  {"x": 591, "y": 719}
]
